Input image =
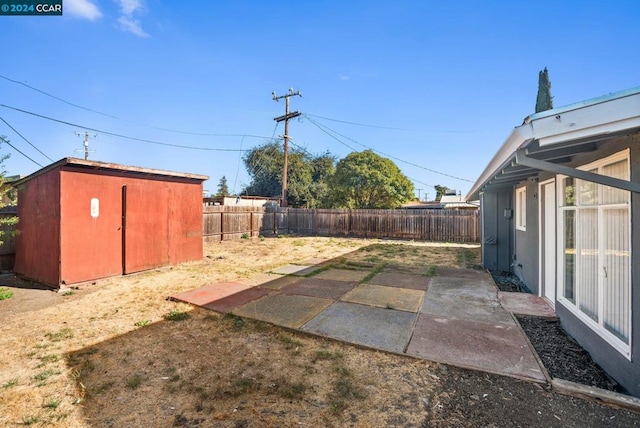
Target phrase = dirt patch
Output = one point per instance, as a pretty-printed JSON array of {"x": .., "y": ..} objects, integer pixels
[{"x": 117, "y": 353}]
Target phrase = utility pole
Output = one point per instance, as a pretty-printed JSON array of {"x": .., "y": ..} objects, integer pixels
[
  {"x": 419, "y": 190},
  {"x": 287, "y": 115},
  {"x": 86, "y": 143}
]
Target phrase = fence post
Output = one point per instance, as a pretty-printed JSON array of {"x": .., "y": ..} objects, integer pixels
[{"x": 221, "y": 226}]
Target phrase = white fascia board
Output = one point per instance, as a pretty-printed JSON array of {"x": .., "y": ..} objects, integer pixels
[
  {"x": 589, "y": 121},
  {"x": 519, "y": 138}
]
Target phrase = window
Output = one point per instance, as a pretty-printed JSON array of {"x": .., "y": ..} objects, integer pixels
[
  {"x": 595, "y": 255},
  {"x": 521, "y": 208}
]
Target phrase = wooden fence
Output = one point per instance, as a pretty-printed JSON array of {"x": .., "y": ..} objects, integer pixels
[{"x": 229, "y": 222}]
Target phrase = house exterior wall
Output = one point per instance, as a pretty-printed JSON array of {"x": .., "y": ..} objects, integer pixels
[
  {"x": 526, "y": 255},
  {"x": 624, "y": 371},
  {"x": 38, "y": 240},
  {"x": 497, "y": 231}
]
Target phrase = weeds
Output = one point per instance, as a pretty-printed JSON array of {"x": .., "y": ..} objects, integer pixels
[
  {"x": 10, "y": 383},
  {"x": 142, "y": 323},
  {"x": 237, "y": 323},
  {"x": 53, "y": 404},
  {"x": 289, "y": 342},
  {"x": 344, "y": 390},
  {"x": 30, "y": 420},
  {"x": 134, "y": 381},
  {"x": 176, "y": 315},
  {"x": 324, "y": 354},
  {"x": 41, "y": 378},
  {"x": 290, "y": 390},
  {"x": 68, "y": 293},
  {"x": 245, "y": 236},
  {"x": 376, "y": 270},
  {"x": 65, "y": 333},
  {"x": 5, "y": 293},
  {"x": 431, "y": 271}
]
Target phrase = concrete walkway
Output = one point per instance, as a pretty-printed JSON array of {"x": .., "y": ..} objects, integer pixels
[{"x": 456, "y": 316}]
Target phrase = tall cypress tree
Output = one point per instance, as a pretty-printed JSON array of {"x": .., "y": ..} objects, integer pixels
[{"x": 544, "y": 100}]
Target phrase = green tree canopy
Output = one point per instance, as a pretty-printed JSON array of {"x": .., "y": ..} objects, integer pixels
[
  {"x": 440, "y": 190},
  {"x": 544, "y": 100},
  {"x": 367, "y": 180},
  {"x": 307, "y": 174},
  {"x": 223, "y": 187},
  {"x": 8, "y": 223}
]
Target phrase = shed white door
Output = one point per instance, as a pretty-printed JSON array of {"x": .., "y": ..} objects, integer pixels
[{"x": 548, "y": 198}]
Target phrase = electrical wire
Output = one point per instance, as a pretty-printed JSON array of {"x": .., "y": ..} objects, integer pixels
[
  {"x": 18, "y": 150},
  {"x": 142, "y": 140},
  {"x": 25, "y": 139},
  {"x": 203, "y": 134},
  {"x": 321, "y": 127},
  {"x": 357, "y": 124}
]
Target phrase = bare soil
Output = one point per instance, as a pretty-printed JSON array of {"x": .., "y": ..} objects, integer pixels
[{"x": 116, "y": 353}]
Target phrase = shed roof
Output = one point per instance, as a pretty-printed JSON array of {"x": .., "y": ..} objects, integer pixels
[
  {"x": 556, "y": 135},
  {"x": 107, "y": 166}
]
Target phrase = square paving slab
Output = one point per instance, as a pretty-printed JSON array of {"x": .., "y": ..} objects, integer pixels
[
  {"x": 271, "y": 280},
  {"x": 525, "y": 304},
  {"x": 461, "y": 273},
  {"x": 401, "y": 299},
  {"x": 230, "y": 303},
  {"x": 496, "y": 348},
  {"x": 343, "y": 275},
  {"x": 294, "y": 270},
  {"x": 209, "y": 293},
  {"x": 377, "y": 328},
  {"x": 463, "y": 288},
  {"x": 414, "y": 282},
  {"x": 318, "y": 287},
  {"x": 284, "y": 310},
  {"x": 465, "y": 308}
]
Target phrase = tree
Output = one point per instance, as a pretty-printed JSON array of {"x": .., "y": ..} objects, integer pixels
[
  {"x": 440, "y": 190},
  {"x": 307, "y": 174},
  {"x": 544, "y": 101},
  {"x": 367, "y": 180},
  {"x": 7, "y": 197},
  {"x": 223, "y": 188}
]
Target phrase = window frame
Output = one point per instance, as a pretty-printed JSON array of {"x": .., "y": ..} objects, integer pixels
[
  {"x": 521, "y": 208},
  {"x": 575, "y": 206}
]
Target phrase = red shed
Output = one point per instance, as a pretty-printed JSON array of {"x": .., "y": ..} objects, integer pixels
[{"x": 82, "y": 220}]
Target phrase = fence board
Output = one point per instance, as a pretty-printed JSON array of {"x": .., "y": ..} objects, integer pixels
[{"x": 232, "y": 222}]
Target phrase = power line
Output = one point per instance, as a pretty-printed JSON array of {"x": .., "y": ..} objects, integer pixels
[
  {"x": 321, "y": 127},
  {"x": 382, "y": 153},
  {"x": 25, "y": 139},
  {"x": 4, "y": 140},
  {"x": 439, "y": 131},
  {"x": 202, "y": 134},
  {"x": 143, "y": 140}
]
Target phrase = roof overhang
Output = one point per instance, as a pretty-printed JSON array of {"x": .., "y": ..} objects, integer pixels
[{"x": 547, "y": 139}]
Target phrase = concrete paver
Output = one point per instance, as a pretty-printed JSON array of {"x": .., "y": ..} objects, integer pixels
[
  {"x": 386, "y": 297},
  {"x": 391, "y": 279},
  {"x": 377, "y": 328},
  {"x": 318, "y": 287},
  {"x": 525, "y": 304},
  {"x": 210, "y": 293},
  {"x": 496, "y": 348},
  {"x": 230, "y": 303},
  {"x": 343, "y": 275},
  {"x": 271, "y": 280},
  {"x": 469, "y": 308},
  {"x": 284, "y": 310},
  {"x": 294, "y": 270}
]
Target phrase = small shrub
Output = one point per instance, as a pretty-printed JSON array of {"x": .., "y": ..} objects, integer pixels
[
  {"x": 245, "y": 236},
  {"x": 176, "y": 315},
  {"x": 5, "y": 293}
]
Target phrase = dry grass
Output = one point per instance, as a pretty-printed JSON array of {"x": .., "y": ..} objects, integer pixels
[{"x": 117, "y": 353}]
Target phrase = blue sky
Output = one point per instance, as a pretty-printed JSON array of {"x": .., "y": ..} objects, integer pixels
[{"x": 437, "y": 86}]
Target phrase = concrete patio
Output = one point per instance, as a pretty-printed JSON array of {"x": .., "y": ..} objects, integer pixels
[{"x": 455, "y": 316}]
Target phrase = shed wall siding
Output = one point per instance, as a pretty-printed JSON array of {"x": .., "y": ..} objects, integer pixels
[{"x": 38, "y": 243}]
